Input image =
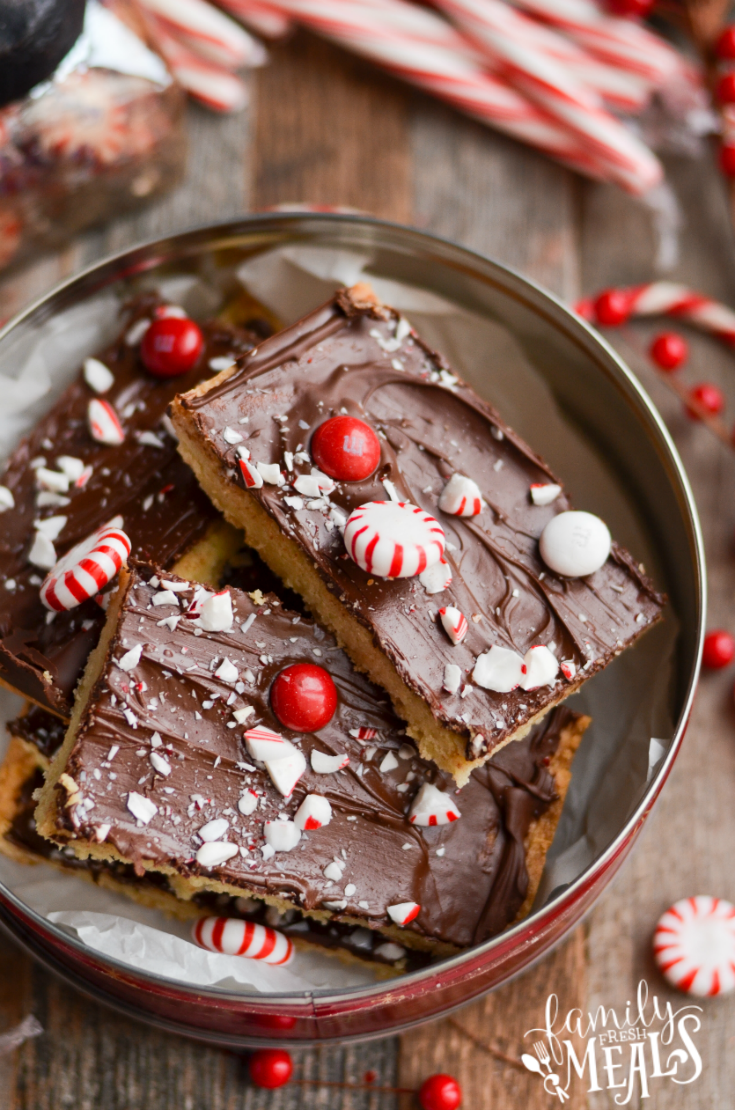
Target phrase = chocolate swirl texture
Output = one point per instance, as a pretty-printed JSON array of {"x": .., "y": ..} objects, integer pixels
[
  {"x": 469, "y": 877},
  {"x": 164, "y": 511},
  {"x": 362, "y": 359}
]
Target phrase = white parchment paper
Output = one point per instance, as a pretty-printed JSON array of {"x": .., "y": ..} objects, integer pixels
[{"x": 629, "y": 702}]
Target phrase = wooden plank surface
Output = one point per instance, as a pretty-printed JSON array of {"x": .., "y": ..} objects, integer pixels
[{"x": 328, "y": 131}]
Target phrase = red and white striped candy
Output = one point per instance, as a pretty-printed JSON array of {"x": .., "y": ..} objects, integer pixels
[
  {"x": 251, "y": 476},
  {"x": 281, "y": 836},
  {"x": 314, "y": 813},
  {"x": 207, "y": 82},
  {"x": 403, "y": 912},
  {"x": 208, "y": 32},
  {"x": 86, "y": 569},
  {"x": 544, "y": 493},
  {"x": 437, "y": 578},
  {"x": 263, "y": 18},
  {"x": 264, "y": 744},
  {"x": 499, "y": 669},
  {"x": 364, "y": 733},
  {"x": 694, "y": 946},
  {"x": 540, "y": 668},
  {"x": 461, "y": 497},
  {"x": 668, "y": 298},
  {"x": 454, "y": 623},
  {"x": 233, "y": 937},
  {"x": 393, "y": 539},
  {"x": 433, "y": 807},
  {"x": 104, "y": 424}
]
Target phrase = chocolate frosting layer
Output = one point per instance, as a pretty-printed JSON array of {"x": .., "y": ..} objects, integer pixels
[
  {"x": 164, "y": 512},
  {"x": 469, "y": 877},
  {"x": 362, "y": 359}
]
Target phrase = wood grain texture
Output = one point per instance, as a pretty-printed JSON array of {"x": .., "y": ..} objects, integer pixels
[{"x": 330, "y": 130}]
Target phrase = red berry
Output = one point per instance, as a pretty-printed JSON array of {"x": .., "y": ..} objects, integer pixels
[
  {"x": 719, "y": 650},
  {"x": 726, "y": 89},
  {"x": 709, "y": 397},
  {"x": 637, "y": 8},
  {"x": 171, "y": 346},
  {"x": 440, "y": 1092},
  {"x": 727, "y": 159},
  {"x": 669, "y": 350},
  {"x": 725, "y": 45},
  {"x": 271, "y": 1068},
  {"x": 612, "y": 308},
  {"x": 346, "y": 448},
  {"x": 304, "y": 697},
  {"x": 586, "y": 309}
]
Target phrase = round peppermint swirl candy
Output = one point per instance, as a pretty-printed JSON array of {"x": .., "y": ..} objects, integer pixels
[
  {"x": 393, "y": 539},
  {"x": 694, "y": 946},
  {"x": 86, "y": 569}
]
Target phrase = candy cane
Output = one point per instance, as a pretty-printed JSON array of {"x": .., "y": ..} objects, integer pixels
[
  {"x": 261, "y": 17},
  {"x": 212, "y": 85},
  {"x": 622, "y": 43},
  {"x": 423, "y": 49},
  {"x": 503, "y": 33},
  {"x": 208, "y": 32},
  {"x": 666, "y": 298}
]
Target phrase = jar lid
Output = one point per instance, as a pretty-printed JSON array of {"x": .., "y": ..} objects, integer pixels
[{"x": 34, "y": 37}]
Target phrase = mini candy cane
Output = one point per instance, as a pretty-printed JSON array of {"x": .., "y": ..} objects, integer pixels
[
  {"x": 555, "y": 90},
  {"x": 694, "y": 946},
  {"x": 208, "y": 32},
  {"x": 234, "y": 937},
  {"x": 213, "y": 85},
  {"x": 668, "y": 298},
  {"x": 86, "y": 569},
  {"x": 261, "y": 17}
]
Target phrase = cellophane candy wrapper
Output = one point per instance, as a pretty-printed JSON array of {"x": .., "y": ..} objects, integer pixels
[
  {"x": 629, "y": 702},
  {"x": 104, "y": 134}
]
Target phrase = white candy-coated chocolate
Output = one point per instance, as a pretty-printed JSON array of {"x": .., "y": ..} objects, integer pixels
[{"x": 575, "y": 544}]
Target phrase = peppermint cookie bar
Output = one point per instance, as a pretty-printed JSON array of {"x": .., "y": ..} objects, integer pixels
[
  {"x": 230, "y": 745},
  {"x": 416, "y": 525},
  {"x": 104, "y": 452}
]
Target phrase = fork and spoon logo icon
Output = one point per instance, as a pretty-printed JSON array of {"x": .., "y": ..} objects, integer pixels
[{"x": 551, "y": 1079}]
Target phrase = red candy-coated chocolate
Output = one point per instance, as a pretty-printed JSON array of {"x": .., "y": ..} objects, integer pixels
[
  {"x": 171, "y": 346},
  {"x": 727, "y": 159},
  {"x": 440, "y": 1092},
  {"x": 709, "y": 397},
  {"x": 725, "y": 45},
  {"x": 719, "y": 649},
  {"x": 346, "y": 448},
  {"x": 304, "y": 697},
  {"x": 631, "y": 8},
  {"x": 612, "y": 308},
  {"x": 271, "y": 1068},
  {"x": 669, "y": 350},
  {"x": 725, "y": 91}
]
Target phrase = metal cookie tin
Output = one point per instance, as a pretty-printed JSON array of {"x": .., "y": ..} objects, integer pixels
[{"x": 600, "y": 395}]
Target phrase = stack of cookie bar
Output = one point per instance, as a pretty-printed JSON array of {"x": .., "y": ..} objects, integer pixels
[{"x": 352, "y": 731}]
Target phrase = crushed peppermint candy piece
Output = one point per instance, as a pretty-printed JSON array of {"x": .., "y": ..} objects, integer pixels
[
  {"x": 227, "y": 671},
  {"x": 540, "y": 668},
  {"x": 544, "y": 494},
  {"x": 390, "y": 951},
  {"x": 575, "y": 544},
  {"x": 433, "y": 807},
  {"x": 333, "y": 871},
  {"x": 454, "y": 623},
  {"x": 248, "y": 803},
  {"x": 436, "y": 578},
  {"x": 216, "y": 613},
  {"x": 568, "y": 669},
  {"x": 52, "y": 526},
  {"x": 308, "y": 486},
  {"x": 388, "y": 763},
  {"x": 160, "y": 764},
  {"x": 86, "y": 569},
  {"x": 264, "y": 744},
  {"x": 215, "y": 854},
  {"x": 251, "y": 476},
  {"x": 282, "y": 836},
  {"x": 314, "y": 813},
  {"x": 54, "y": 480},
  {"x": 324, "y": 764},
  {"x": 130, "y": 659},
  {"x": 231, "y": 436},
  {"x": 104, "y": 424},
  {"x": 142, "y": 809},
  {"x": 498, "y": 669},
  {"x": 393, "y": 539},
  {"x": 42, "y": 553},
  {"x": 71, "y": 466},
  {"x": 98, "y": 376},
  {"x": 286, "y": 771},
  {"x": 214, "y": 830},
  {"x": 165, "y": 597},
  {"x": 7, "y": 501},
  {"x": 270, "y": 473},
  {"x": 452, "y": 678},
  {"x": 364, "y": 733},
  {"x": 403, "y": 912},
  {"x": 461, "y": 497},
  {"x": 241, "y": 715}
]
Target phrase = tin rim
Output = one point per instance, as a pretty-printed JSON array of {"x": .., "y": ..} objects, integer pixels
[{"x": 282, "y": 228}]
